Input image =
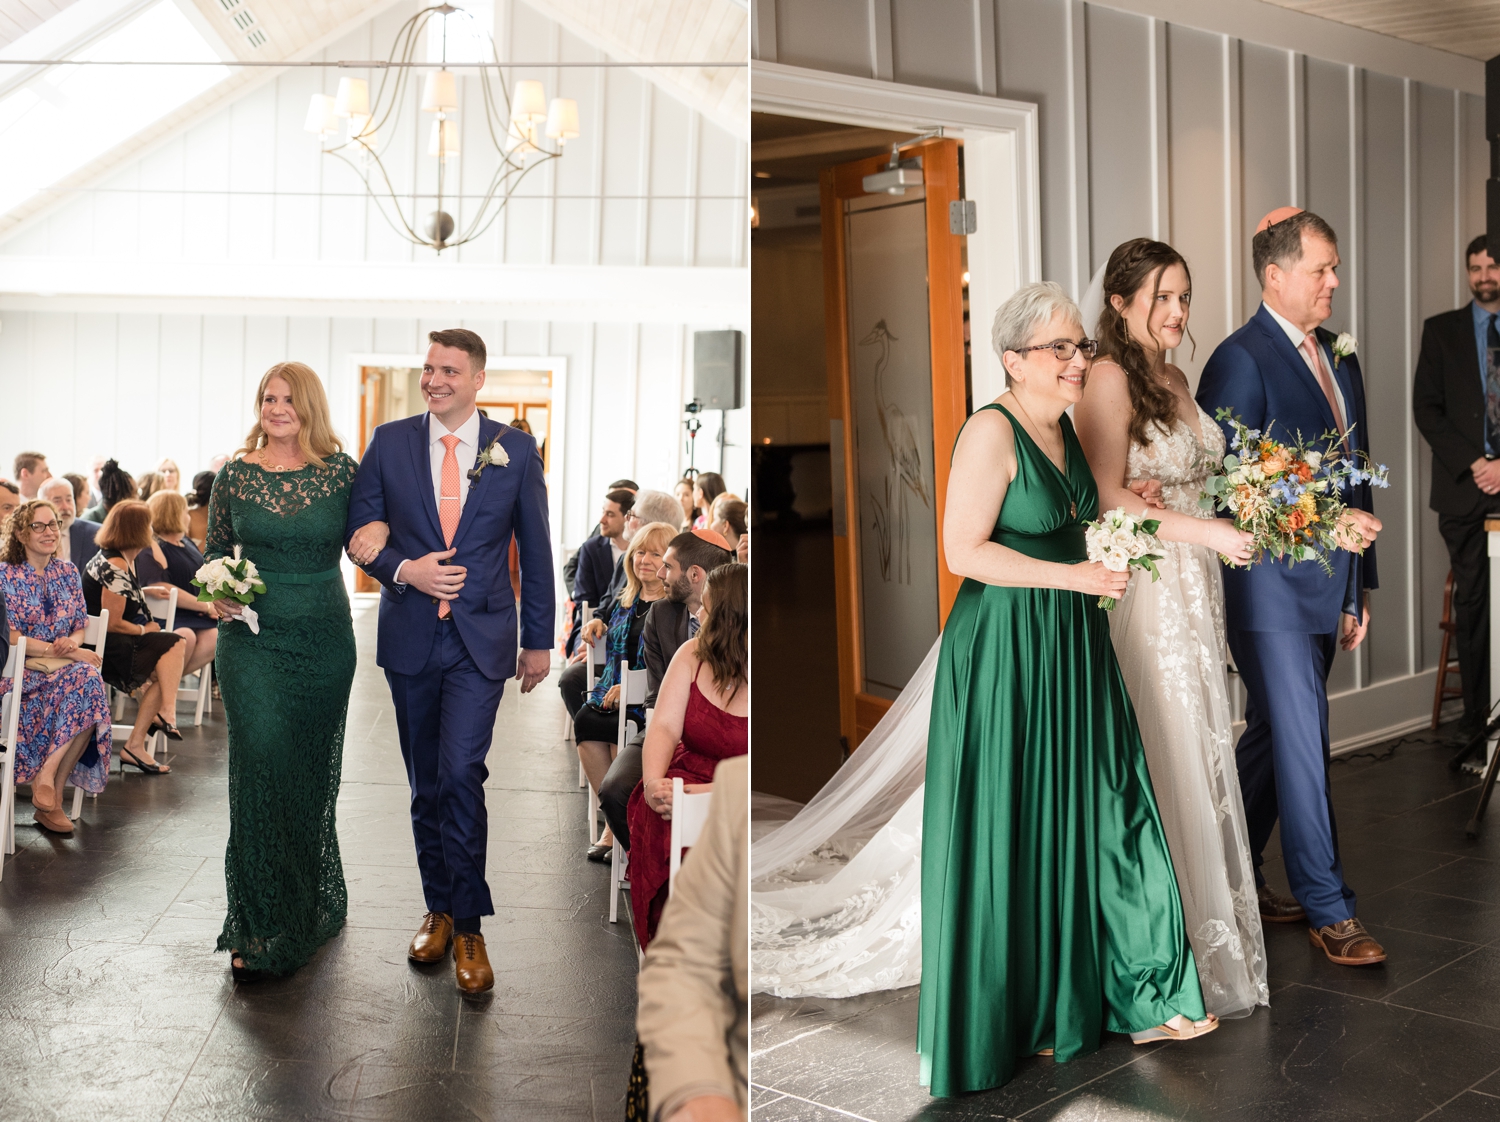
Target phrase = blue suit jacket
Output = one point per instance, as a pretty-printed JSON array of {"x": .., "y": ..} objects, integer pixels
[
  {"x": 394, "y": 485},
  {"x": 81, "y": 541},
  {"x": 1260, "y": 376},
  {"x": 595, "y": 573}
]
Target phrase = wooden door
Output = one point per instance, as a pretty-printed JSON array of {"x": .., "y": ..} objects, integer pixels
[{"x": 898, "y": 393}]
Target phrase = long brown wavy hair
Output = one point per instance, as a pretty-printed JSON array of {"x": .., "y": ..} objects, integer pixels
[
  {"x": 724, "y": 638},
  {"x": 1132, "y": 266}
]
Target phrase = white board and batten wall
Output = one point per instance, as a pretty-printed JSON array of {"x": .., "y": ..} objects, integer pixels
[
  {"x": 1187, "y": 122},
  {"x": 106, "y": 349}
]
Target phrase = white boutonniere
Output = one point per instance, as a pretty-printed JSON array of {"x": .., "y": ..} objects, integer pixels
[
  {"x": 491, "y": 453},
  {"x": 1344, "y": 346}
]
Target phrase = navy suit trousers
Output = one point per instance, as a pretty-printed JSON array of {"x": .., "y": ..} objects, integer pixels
[
  {"x": 446, "y": 719},
  {"x": 1283, "y": 764}
]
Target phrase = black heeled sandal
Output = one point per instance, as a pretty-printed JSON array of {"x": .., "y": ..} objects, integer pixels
[
  {"x": 129, "y": 757},
  {"x": 244, "y": 973},
  {"x": 162, "y": 725}
]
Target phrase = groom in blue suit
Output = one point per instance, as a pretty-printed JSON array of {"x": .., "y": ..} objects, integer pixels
[
  {"x": 454, "y": 487},
  {"x": 1280, "y": 374}
]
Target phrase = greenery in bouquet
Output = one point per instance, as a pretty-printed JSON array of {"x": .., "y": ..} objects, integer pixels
[
  {"x": 1288, "y": 495},
  {"x": 229, "y": 578}
]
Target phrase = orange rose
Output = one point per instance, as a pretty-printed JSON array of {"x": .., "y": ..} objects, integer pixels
[{"x": 1271, "y": 465}]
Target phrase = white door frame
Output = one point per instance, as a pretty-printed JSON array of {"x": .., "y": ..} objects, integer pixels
[
  {"x": 1001, "y": 173},
  {"x": 557, "y": 367}
]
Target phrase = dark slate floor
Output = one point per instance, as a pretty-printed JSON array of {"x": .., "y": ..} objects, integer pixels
[
  {"x": 113, "y": 1004},
  {"x": 1415, "y": 1038}
]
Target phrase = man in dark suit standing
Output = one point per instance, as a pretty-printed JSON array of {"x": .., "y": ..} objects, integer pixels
[
  {"x": 78, "y": 533},
  {"x": 1455, "y": 398}
]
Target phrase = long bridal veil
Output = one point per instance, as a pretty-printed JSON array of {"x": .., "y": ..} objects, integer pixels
[{"x": 836, "y": 892}]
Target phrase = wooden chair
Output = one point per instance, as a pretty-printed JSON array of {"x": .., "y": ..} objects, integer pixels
[
  {"x": 1447, "y": 666},
  {"x": 689, "y": 813}
]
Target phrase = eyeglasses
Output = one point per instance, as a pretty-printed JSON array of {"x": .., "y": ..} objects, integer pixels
[
  {"x": 1065, "y": 349},
  {"x": 42, "y": 527}
]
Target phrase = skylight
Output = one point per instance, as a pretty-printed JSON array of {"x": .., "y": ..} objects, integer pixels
[{"x": 70, "y": 115}]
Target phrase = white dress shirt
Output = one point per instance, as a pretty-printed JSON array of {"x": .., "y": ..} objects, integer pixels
[
  {"x": 1296, "y": 335},
  {"x": 465, "y": 452}
]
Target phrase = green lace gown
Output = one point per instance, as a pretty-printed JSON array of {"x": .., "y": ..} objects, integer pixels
[
  {"x": 286, "y": 693},
  {"x": 1049, "y": 908}
]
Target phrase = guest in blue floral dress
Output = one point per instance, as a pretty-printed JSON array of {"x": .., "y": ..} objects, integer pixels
[
  {"x": 64, "y": 728},
  {"x": 596, "y": 725}
]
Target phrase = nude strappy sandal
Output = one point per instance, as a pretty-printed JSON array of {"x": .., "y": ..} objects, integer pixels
[{"x": 1189, "y": 1031}]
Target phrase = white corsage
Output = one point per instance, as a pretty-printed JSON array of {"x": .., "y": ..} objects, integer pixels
[
  {"x": 1344, "y": 346},
  {"x": 492, "y": 453}
]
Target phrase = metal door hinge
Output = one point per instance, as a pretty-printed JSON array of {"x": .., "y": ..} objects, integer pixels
[{"x": 962, "y": 217}]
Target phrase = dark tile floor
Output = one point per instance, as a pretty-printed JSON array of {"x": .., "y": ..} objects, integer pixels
[
  {"x": 1415, "y": 1038},
  {"x": 114, "y": 1005}
]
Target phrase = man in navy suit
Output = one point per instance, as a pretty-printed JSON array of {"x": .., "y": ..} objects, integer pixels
[
  {"x": 78, "y": 532},
  {"x": 1279, "y": 374},
  {"x": 454, "y": 487}
]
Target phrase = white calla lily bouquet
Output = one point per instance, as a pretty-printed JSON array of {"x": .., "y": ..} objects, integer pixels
[
  {"x": 231, "y": 578},
  {"x": 1121, "y": 541}
]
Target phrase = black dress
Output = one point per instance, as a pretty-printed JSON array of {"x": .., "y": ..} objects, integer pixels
[
  {"x": 129, "y": 660},
  {"x": 183, "y": 563}
]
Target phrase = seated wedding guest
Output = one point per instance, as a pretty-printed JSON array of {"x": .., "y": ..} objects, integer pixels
[
  {"x": 684, "y": 493},
  {"x": 599, "y": 570},
  {"x": 570, "y": 566},
  {"x": 217, "y": 462},
  {"x": 653, "y": 506},
  {"x": 138, "y": 653},
  {"x": 728, "y": 519},
  {"x": 169, "y": 475},
  {"x": 203, "y": 484},
  {"x": 65, "y": 722},
  {"x": 75, "y": 536},
  {"x": 115, "y": 486},
  {"x": 706, "y": 488},
  {"x": 197, "y": 620},
  {"x": 147, "y": 485},
  {"x": 10, "y": 499},
  {"x": 672, "y": 621},
  {"x": 596, "y": 725},
  {"x": 80, "y": 490},
  {"x": 700, "y": 719},
  {"x": 743, "y": 552},
  {"x": 96, "y": 465},
  {"x": 31, "y": 473},
  {"x": 694, "y": 993}
]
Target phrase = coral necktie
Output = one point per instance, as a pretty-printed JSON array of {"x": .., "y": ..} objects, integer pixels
[
  {"x": 1315, "y": 355},
  {"x": 448, "y": 508}
]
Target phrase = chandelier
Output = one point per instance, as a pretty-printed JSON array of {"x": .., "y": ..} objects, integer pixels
[{"x": 519, "y": 123}]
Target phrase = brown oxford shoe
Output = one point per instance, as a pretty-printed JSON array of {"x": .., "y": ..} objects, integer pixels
[
  {"x": 471, "y": 964},
  {"x": 1276, "y": 908},
  {"x": 430, "y": 943},
  {"x": 1347, "y": 943}
]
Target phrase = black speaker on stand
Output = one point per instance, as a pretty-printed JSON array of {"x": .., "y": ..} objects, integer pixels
[{"x": 718, "y": 381}]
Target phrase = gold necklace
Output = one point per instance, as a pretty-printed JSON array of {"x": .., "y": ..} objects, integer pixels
[
  {"x": 1072, "y": 505},
  {"x": 280, "y": 467}
]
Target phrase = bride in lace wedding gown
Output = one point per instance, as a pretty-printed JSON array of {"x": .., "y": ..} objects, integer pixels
[{"x": 836, "y": 894}]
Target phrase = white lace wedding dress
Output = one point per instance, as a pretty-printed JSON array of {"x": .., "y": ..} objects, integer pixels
[{"x": 836, "y": 892}]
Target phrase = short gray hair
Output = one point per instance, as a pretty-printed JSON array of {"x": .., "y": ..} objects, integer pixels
[
  {"x": 657, "y": 506},
  {"x": 1028, "y": 308}
]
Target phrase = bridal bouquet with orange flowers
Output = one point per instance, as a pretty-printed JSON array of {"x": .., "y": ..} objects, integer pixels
[{"x": 1288, "y": 495}]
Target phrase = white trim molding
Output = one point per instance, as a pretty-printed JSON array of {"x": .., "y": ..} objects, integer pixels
[
  {"x": 559, "y": 293},
  {"x": 1001, "y": 172}
]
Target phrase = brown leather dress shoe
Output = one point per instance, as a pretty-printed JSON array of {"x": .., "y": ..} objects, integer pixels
[
  {"x": 430, "y": 943},
  {"x": 1347, "y": 943},
  {"x": 471, "y": 965},
  {"x": 1276, "y": 908},
  {"x": 53, "y": 820}
]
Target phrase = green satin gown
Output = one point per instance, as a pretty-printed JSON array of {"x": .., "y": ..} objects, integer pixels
[
  {"x": 1049, "y": 907},
  {"x": 286, "y": 694}
]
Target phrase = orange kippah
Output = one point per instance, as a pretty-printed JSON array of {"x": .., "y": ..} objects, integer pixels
[
  {"x": 1280, "y": 214},
  {"x": 713, "y": 539}
]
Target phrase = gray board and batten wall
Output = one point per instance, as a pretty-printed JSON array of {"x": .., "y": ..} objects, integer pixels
[{"x": 1188, "y": 122}]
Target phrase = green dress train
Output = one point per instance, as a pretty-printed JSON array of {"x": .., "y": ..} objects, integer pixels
[
  {"x": 1049, "y": 908},
  {"x": 286, "y": 693}
]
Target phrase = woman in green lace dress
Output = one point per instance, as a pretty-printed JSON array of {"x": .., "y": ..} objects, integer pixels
[
  {"x": 283, "y": 502},
  {"x": 1050, "y": 912}
]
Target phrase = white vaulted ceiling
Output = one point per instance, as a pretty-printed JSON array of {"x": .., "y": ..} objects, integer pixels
[{"x": 17, "y": 17}]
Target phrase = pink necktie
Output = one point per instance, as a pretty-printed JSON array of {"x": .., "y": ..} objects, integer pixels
[
  {"x": 1315, "y": 353},
  {"x": 448, "y": 508}
]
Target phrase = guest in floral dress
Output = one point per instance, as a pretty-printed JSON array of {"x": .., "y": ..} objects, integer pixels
[{"x": 64, "y": 724}]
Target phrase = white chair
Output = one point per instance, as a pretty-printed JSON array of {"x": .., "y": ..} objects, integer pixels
[
  {"x": 10, "y": 728},
  {"x": 165, "y": 613},
  {"x": 95, "y": 632},
  {"x": 632, "y": 692},
  {"x": 689, "y": 813},
  {"x": 619, "y": 858}
]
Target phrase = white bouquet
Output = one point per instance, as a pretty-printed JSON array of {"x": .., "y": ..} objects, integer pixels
[
  {"x": 235, "y": 579},
  {"x": 1121, "y": 541}
]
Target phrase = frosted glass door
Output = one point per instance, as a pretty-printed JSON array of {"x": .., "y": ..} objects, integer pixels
[{"x": 890, "y": 360}]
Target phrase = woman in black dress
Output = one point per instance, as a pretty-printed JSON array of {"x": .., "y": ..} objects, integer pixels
[
  {"x": 138, "y": 652},
  {"x": 197, "y": 620}
]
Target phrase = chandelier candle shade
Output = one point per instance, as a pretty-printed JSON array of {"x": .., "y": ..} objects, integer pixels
[{"x": 520, "y": 131}]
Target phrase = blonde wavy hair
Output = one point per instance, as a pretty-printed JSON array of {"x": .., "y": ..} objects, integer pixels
[
  {"x": 654, "y": 536},
  {"x": 316, "y": 436},
  {"x": 169, "y": 513}
]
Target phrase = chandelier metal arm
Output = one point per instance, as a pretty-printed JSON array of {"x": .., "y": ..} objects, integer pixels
[{"x": 479, "y": 215}]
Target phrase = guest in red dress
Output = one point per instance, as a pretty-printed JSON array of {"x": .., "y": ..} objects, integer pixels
[{"x": 702, "y": 716}]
